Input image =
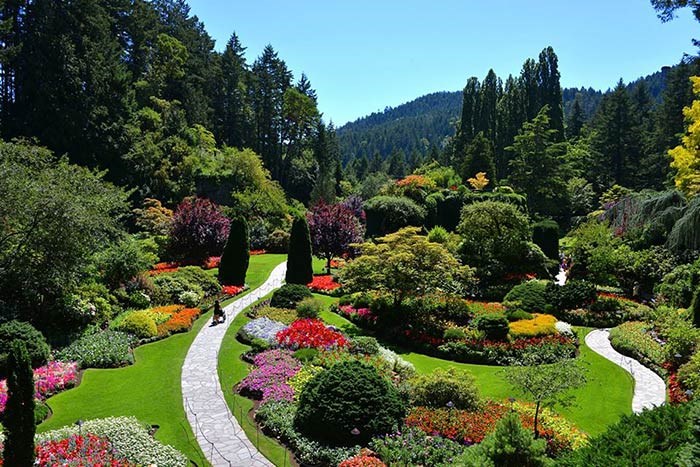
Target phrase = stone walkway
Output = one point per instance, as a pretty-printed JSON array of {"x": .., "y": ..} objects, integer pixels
[
  {"x": 218, "y": 433},
  {"x": 649, "y": 388}
]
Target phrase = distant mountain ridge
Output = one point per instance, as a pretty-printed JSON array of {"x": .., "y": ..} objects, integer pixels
[{"x": 427, "y": 121}]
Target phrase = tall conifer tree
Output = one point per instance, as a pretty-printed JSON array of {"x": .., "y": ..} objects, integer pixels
[
  {"x": 18, "y": 418},
  {"x": 299, "y": 261}
]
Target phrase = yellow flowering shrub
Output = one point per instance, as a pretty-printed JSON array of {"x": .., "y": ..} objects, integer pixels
[
  {"x": 303, "y": 376},
  {"x": 539, "y": 325}
]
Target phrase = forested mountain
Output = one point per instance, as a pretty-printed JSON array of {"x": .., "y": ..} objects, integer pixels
[{"x": 422, "y": 126}]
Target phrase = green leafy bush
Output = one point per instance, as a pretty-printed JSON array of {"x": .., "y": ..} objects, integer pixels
[
  {"x": 364, "y": 345},
  {"x": 545, "y": 234},
  {"x": 167, "y": 288},
  {"x": 516, "y": 314},
  {"x": 347, "y": 398},
  {"x": 306, "y": 355},
  {"x": 309, "y": 308},
  {"x": 197, "y": 276},
  {"x": 289, "y": 295},
  {"x": 689, "y": 373},
  {"x": 37, "y": 347},
  {"x": 653, "y": 437},
  {"x": 454, "y": 334},
  {"x": 633, "y": 339},
  {"x": 100, "y": 349},
  {"x": 678, "y": 286},
  {"x": 139, "y": 323},
  {"x": 445, "y": 388},
  {"x": 530, "y": 295},
  {"x": 386, "y": 214},
  {"x": 494, "y": 325},
  {"x": 570, "y": 296},
  {"x": 259, "y": 345}
]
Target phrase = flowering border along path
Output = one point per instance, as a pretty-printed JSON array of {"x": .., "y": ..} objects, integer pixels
[
  {"x": 218, "y": 433},
  {"x": 649, "y": 388}
]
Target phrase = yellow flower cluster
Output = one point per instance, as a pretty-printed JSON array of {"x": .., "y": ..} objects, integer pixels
[{"x": 539, "y": 325}]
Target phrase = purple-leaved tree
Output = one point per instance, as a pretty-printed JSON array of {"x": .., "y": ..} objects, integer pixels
[
  {"x": 199, "y": 230},
  {"x": 333, "y": 229}
]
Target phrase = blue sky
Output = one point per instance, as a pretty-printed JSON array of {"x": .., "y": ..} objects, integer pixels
[{"x": 363, "y": 55}]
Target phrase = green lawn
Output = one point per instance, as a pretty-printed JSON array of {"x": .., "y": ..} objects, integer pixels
[
  {"x": 149, "y": 389},
  {"x": 231, "y": 371},
  {"x": 601, "y": 402}
]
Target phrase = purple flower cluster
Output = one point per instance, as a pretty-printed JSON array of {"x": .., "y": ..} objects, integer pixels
[{"x": 268, "y": 380}]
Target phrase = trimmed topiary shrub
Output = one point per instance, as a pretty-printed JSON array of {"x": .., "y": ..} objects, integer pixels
[
  {"x": 34, "y": 341},
  {"x": 348, "y": 404},
  {"x": 289, "y": 295},
  {"x": 494, "y": 325},
  {"x": 364, "y": 345},
  {"x": 445, "y": 388},
  {"x": 299, "y": 261},
  {"x": 386, "y": 214},
  {"x": 545, "y": 234},
  {"x": 236, "y": 255},
  {"x": 139, "y": 323},
  {"x": 529, "y": 295}
]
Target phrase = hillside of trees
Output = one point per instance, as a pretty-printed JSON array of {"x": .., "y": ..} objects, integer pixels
[{"x": 423, "y": 126}]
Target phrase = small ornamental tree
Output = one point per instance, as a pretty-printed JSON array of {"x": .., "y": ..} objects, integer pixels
[
  {"x": 334, "y": 228},
  {"x": 18, "y": 419},
  {"x": 236, "y": 256},
  {"x": 199, "y": 230},
  {"x": 299, "y": 262}
]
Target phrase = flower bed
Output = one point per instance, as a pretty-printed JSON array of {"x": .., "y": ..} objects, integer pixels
[
  {"x": 257, "y": 252},
  {"x": 310, "y": 333},
  {"x": 179, "y": 322},
  {"x": 162, "y": 268},
  {"x": 261, "y": 328},
  {"x": 485, "y": 308},
  {"x": 633, "y": 339},
  {"x": 323, "y": 284},
  {"x": 268, "y": 380},
  {"x": 48, "y": 380},
  {"x": 79, "y": 450},
  {"x": 361, "y": 316},
  {"x": 231, "y": 290},
  {"x": 539, "y": 325},
  {"x": 212, "y": 262},
  {"x": 100, "y": 349},
  {"x": 538, "y": 350}
]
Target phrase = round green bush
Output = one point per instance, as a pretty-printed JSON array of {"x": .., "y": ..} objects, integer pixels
[
  {"x": 37, "y": 347},
  {"x": 494, "y": 325},
  {"x": 139, "y": 323},
  {"x": 309, "y": 308},
  {"x": 530, "y": 295},
  {"x": 347, "y": 405},
  {"x": 454, "y": 334},
  {"x": 364, "y": 345},
  {"x": 573, "y": 295},
  {"x": 445, "y": 388},
  {"x": 517, "y": 314},
  {"x": 289, "y": 295}
]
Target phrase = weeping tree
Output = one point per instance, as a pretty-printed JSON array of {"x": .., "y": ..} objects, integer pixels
[
  {"x": 236, "y": 256},
  {"x": 685, "y": 235},
  {"x": 18, "y": 419},
  {"x": 299, "y": 262}
]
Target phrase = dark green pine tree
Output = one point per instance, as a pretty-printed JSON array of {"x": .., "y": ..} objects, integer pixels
[
  {"x": 397, "y": 164},
  {"x": 550, "y": 89},
  {"x": 479, "y": 157},
  {"x": 18, "y": 418},
  {"x": 490, "y": 93},
  {"x": 361, "y": 166},
  {"x": 299, "y": 261},
  {"x": 236, "y": 256},
  {"x": 511, "y": 115},
  {"x": 576, "y": 119},
  {"x": 234, "y": 122},
  {"x": 271, "y": 79},
  {"x": 529, "y": 88},
  {"x": 376, "y": 164},
  {"x": 325, "y": 184},
  {"x": 468, "y": 120}
]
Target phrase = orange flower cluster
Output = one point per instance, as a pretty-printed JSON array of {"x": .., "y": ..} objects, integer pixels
[
  {"x": 257, "y": 252},
  {"x": 179, "y": 322},
  {"x": 167, "y": 309},
  {"x": 362, "y": 460},
  {"x": 417, "y": 181},
  {"x": 162, "y": 268}
]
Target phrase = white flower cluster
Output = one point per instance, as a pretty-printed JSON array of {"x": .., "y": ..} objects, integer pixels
[
  {"x": 403, "y": 368},
  {"x": 261, "y": 328},
  {"x": 129, "y": 438},
  {"x": 564, "y": 328}
]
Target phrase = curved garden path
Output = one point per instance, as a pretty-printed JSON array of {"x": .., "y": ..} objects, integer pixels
[
  {"x": 218, "y": 433},
  {"x": 649, "y": 388}
]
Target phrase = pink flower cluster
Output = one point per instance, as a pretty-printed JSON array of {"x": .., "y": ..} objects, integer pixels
[
  {"x": 357, "y": 314},
  {"x": 268, "y": 381},
  {"x": 48, "y": 380}
]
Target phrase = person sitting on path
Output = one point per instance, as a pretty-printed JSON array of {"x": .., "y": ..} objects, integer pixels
[{"x": 219, "y": 316}]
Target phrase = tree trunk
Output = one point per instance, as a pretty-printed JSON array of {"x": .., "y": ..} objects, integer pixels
[
  {"x": 537, "y": 413},
  {"x": 328, "y": 264}
]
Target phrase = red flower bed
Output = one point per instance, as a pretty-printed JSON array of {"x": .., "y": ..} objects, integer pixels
[
  {"x": 362, "y": 460},
  {"x": 257, "y": 252},
  {"x": 231, "y": 290},
  {"x": 310, "y": 333},
  {"x": 77, "y": 450},
  {"x": 162, "y": 268},
  {"x": 420, "y": 337},
  {"x": 457, "y": 425},
  {"x": 323, "y": 283}
]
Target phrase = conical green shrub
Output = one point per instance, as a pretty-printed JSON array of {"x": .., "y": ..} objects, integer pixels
[
  {"x": 236, "y": 256},
  {"x": 299, "y": 262}
]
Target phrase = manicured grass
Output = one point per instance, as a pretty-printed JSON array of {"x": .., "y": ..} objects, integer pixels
[
  {"x": 601, "y": 402},
  {"x": 149, "y": 389},
  {"x": 231, "y": 371}
]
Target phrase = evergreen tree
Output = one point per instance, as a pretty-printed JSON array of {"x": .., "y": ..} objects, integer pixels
[
  {"x": 479, "y": 158},
  {"x": 397, "y": 164},
  {"x": 529, "y": 88},
  {"x": 470, "y": 115},
  {"x": 550, "y": 90},
  {"x": 576, "y": 119},
  {"x": 234, "y": 122},
  {"x": 325, "y": 186},
  {"x": 236, "y": 256},
  {"x": 490, "y": 92},
  {"x": 299, "y": 261},
  {"x": 18, "y": 418}
]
